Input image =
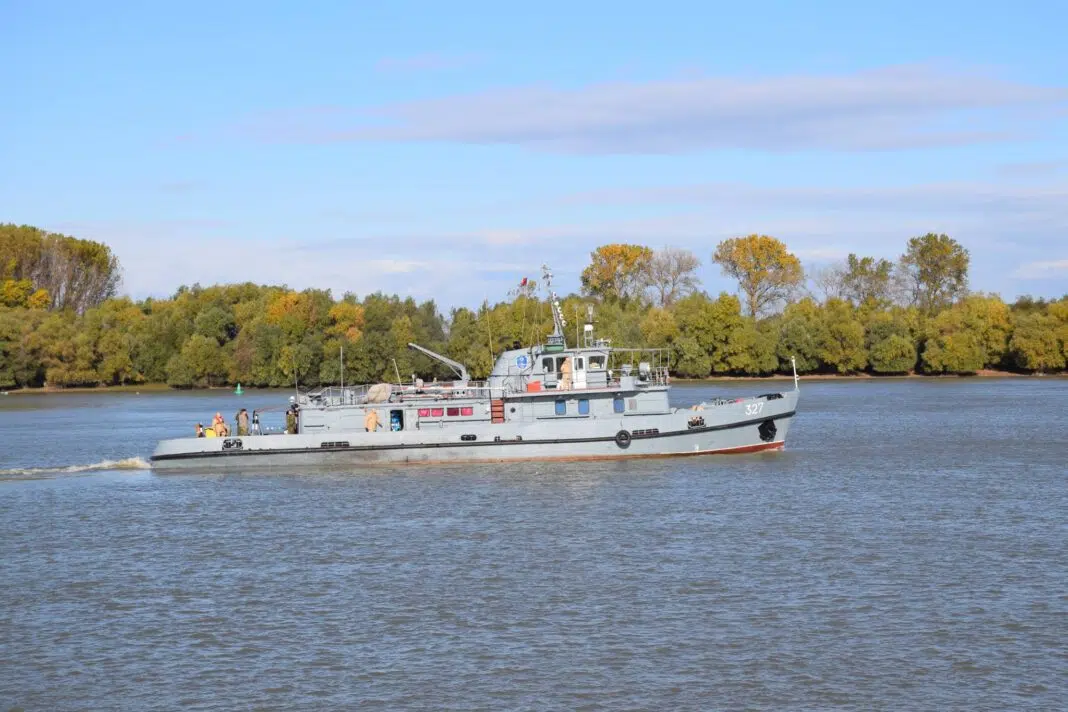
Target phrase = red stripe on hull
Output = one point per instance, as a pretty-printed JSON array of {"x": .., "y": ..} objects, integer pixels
[{"x": 741, "y": 450}]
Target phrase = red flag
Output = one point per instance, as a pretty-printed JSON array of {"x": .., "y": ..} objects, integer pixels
[{"x": 523, "y": 283}]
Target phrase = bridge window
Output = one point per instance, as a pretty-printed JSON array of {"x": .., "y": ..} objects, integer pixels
[
  {"x": 584, "y": 406},
  {"x": 617, "y": 404},
  {"x": 547, "y": 364},
  {"x": 580, "y": 363},
  {"x": 561, "y": 407},
  {"x": 596, "y": 363}
]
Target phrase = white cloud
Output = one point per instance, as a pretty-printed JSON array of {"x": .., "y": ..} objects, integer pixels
[{"x": 891, "y": 108}]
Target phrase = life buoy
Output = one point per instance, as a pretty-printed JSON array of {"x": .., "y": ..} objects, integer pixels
[{"x": 623, "y": 439}]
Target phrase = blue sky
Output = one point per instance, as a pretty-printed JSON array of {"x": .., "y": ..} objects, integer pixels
[{"x": 446, "y": 150}]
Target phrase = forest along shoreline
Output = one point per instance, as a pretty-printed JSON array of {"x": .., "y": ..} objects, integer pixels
[
  {"x": 154, "y": 388},
  {"x": 64, "y": 325}
]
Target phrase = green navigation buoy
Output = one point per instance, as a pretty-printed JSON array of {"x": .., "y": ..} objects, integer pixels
[{"x": 238, "y": 391}]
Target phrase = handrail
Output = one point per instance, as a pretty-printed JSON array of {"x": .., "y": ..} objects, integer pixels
[{"x": 336, "y": 396}]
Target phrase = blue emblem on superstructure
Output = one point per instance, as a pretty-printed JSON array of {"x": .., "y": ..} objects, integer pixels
[{"x": 522, "y": 361}]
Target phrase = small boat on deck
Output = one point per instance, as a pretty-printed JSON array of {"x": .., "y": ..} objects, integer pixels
[{"x": 542, "y": 402}]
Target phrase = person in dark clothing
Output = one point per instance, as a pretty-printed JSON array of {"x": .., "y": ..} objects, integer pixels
[{"x": 291, "y": 421}]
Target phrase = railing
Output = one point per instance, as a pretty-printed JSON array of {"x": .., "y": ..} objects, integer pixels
[
  {"x": 334, "y": 396},
  {"x": 337, "y": 396}
]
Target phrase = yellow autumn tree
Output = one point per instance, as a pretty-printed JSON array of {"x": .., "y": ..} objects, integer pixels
[
  {"x": 346, "y": 320},
  {"x": 766, "y": 271},
  {"x": 618, "y": 272}
]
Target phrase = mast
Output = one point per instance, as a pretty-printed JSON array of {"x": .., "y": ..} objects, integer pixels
[{"x": 555, "y": 341}]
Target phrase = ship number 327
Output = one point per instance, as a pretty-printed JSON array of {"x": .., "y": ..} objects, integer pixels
[{"x": 754, "y": 408}]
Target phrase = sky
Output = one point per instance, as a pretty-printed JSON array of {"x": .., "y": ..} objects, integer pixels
[{"x": 446, "y": 150}]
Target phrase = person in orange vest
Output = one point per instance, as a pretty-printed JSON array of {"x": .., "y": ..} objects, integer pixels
[
  {"x": 370, "y": 421},
  {"x": 219, "y": 426}
]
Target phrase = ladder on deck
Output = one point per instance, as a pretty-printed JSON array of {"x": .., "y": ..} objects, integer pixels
[{"x": 497, "y": 411}]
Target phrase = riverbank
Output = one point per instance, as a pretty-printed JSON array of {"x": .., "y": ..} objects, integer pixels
[
  {"x": 986, "y": 373},
  {"x": 137, "y": 389}
]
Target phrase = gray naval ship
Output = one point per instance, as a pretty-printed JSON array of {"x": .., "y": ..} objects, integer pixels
[{"x": 545, "y": 402}]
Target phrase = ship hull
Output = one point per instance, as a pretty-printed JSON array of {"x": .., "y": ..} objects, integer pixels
[{"x": 727, "y": 429}]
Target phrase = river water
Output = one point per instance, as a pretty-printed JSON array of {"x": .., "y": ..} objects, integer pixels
[{"x": 909, "y": 550}]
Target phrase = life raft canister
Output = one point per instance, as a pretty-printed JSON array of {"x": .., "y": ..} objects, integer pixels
[{"x": 623, "y": 439}]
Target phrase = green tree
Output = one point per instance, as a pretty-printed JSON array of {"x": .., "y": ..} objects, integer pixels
[
  {"x": 891, "y": 342},
  {"x": 842, "y": 344},
  {"x": 801, "y": 334},
  {"x": 968, "y": 337},
  {"x": 751, "y": 349},
  {"x": 1035, "y": 345},
  {"x": 766, "y": 271},
  {"x": 215, "y": 322},
  {"x": 867, "y": 280},
  {"x": 659, "y": 329},
  {"x": 200, "y": 363},
  {"x": 935, "y": 270}
]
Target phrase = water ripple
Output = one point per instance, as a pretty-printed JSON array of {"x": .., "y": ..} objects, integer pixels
[{"x": 841, "y": 574}]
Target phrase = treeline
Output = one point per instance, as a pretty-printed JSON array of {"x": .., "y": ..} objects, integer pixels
[{"x": 864, "y": 315}]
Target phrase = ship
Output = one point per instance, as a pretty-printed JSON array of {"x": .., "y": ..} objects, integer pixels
[{"x": 545, "y": 402}]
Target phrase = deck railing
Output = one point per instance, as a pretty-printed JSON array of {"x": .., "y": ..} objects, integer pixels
[{"x": 338, "y": 396}]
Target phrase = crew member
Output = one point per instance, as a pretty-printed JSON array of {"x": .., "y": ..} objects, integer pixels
[
  {"x": 291, "y": 421},
  {"x": 370, "y": 421},
  {"x": 565, "y": 375},
  {"x": 200, "y": 430},
  {"x": 220, "y": 427},
  {"x": 242, "y": 422}
]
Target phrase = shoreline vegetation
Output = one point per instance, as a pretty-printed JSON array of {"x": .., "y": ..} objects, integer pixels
[
  {"x": 139, "y": 388},
  {"x": 63, "y": 326}
]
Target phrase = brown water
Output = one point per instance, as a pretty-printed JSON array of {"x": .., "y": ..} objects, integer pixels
[{"x": 909, "y": 550}]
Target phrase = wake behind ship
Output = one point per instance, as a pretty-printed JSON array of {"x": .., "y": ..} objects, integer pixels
[{"x": 544, "y": 402}]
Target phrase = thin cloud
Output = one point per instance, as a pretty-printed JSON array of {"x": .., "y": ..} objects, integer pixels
[
  {"x": 893, "y": 108},
  {"x": 1033, "y": 169},
  {"x": 922, "y": 198},
  {"x": 1049, "y": 269}
]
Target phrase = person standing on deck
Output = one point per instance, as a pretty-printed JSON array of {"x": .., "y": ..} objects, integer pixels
[
  {"x": 220, "y": 427},
  {"x": 242, "y": 422},
  {"x": 565, "y": 375},
  {"x": 370, "y": 421},
  {"x": 291, "y": 422}
]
